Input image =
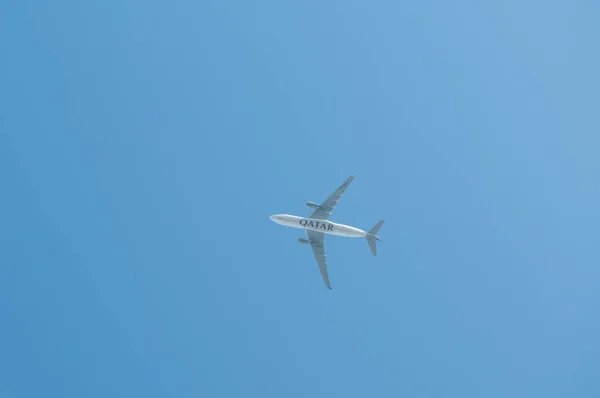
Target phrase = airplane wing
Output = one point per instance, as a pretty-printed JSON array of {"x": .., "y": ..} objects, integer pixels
[
  {"x": 326, "y": 208},
  {"x": 317, "y": 239}
]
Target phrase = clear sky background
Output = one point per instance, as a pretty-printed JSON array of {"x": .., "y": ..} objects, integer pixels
[{"x": 143, "y": 145}]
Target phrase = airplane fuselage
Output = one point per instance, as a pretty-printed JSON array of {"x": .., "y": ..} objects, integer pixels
[{"x": 324, "y": 226}]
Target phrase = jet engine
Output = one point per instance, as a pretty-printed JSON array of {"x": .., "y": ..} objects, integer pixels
[
  {"x": 302, "y": 240},
  {"x": 312, "y": 205}
]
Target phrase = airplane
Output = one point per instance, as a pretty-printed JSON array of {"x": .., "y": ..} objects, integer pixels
[{"x": 318, "y": 224}]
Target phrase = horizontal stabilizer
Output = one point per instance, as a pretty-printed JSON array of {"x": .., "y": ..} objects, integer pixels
[
  {"x": 372, "y": 237},
  {"x": 372, "y": 246},
  {"x": 376, "y": 228}
]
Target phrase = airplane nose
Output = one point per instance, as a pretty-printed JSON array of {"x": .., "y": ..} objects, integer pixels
[{"x": 272, "y": 218}]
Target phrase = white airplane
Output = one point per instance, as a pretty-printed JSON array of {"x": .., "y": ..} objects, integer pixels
[{"x": 317, "y": 225}]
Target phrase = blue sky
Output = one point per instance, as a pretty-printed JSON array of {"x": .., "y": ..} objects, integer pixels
[{"x": 144, "y": 144}]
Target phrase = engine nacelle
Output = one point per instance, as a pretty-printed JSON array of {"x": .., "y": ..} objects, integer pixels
[
  {"x": 312, "y": 205},
  {"x": 305, "y": 241}
]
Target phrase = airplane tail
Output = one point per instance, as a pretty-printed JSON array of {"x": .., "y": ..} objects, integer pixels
[{"x": 372, "y": 237}]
